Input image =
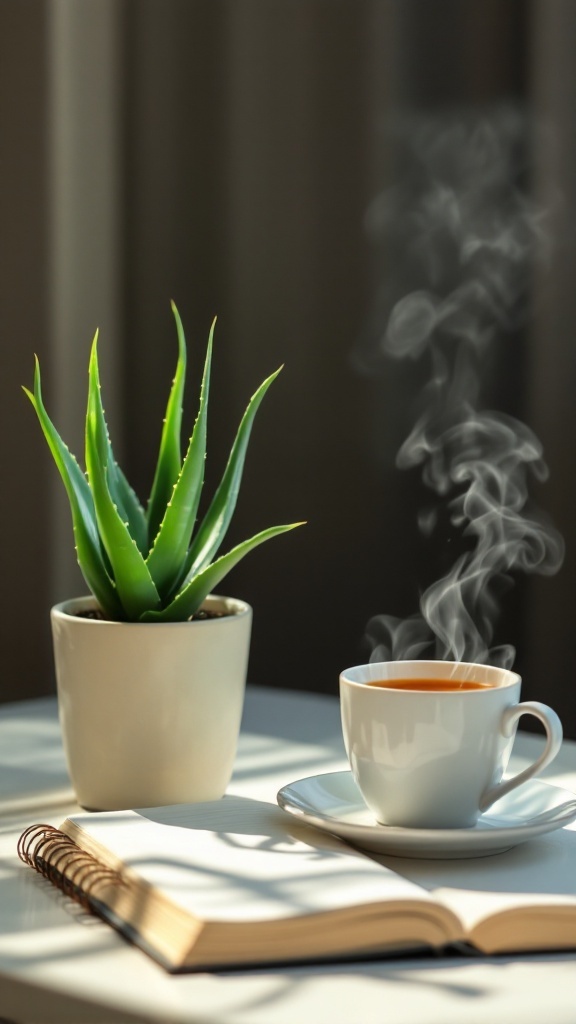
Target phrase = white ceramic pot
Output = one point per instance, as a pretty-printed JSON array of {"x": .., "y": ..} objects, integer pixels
[{"x": 150, "y": 712}]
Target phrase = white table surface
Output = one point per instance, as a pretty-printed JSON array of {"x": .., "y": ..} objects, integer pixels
[{"x": 58, "y": 965}]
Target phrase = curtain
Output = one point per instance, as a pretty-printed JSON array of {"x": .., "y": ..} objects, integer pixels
[{"x": 239, "y": 158}]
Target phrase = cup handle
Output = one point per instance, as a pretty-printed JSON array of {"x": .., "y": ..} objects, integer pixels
[{"x": 553, "y": 727}]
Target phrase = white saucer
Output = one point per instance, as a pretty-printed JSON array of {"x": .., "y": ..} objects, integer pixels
[{"x": 333, "y": 802}]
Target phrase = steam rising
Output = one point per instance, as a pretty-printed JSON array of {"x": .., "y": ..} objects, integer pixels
[{"x": 471, "y": 236}]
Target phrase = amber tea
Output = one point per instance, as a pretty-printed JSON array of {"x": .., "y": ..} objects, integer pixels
[{"x": 426, "y": 685}]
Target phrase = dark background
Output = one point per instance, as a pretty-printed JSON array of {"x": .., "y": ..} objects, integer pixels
[{"x": 226, "y": 154}]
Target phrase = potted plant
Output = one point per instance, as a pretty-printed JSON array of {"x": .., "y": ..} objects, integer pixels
[{"x": 151, "y": 668}]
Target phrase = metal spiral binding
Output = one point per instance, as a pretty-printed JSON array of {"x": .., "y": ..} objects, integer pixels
[{"x": 58, "y": 858}]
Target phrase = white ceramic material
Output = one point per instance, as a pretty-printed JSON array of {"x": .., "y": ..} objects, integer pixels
[
  {"x": 150, "y": 712},
  {"x": 334, "y": 803},
  {"x": 436, "y": 759}
]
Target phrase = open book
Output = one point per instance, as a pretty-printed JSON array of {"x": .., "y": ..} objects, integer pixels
[{"x": 238, "y": 882}]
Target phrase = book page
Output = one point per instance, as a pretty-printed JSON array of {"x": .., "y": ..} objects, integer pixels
[
  {"x": 238, "y": 859},
  {"x": 534, "y": 882}
]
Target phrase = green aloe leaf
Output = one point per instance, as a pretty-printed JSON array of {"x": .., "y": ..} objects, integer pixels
[
  {"x": 215, "y": 523},
  {"x": 123, "y": 496},
  {"x": 129, "y": 505},
  {"x": 135, "y": 586},
  {"x": 91, "y": 557},
  {"x": 191, "y": 597},
  {"x": 171, "y": 544},
  {"x": 169, "y": 456}
]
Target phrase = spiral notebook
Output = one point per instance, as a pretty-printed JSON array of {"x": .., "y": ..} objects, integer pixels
[{"x": 238, "y": 882}]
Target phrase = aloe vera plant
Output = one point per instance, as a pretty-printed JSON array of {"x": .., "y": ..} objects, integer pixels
[{"x": 153, "y": 564}]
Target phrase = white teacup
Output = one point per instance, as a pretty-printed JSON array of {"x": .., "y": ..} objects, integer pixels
[{"x": 434, "y": 758}]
